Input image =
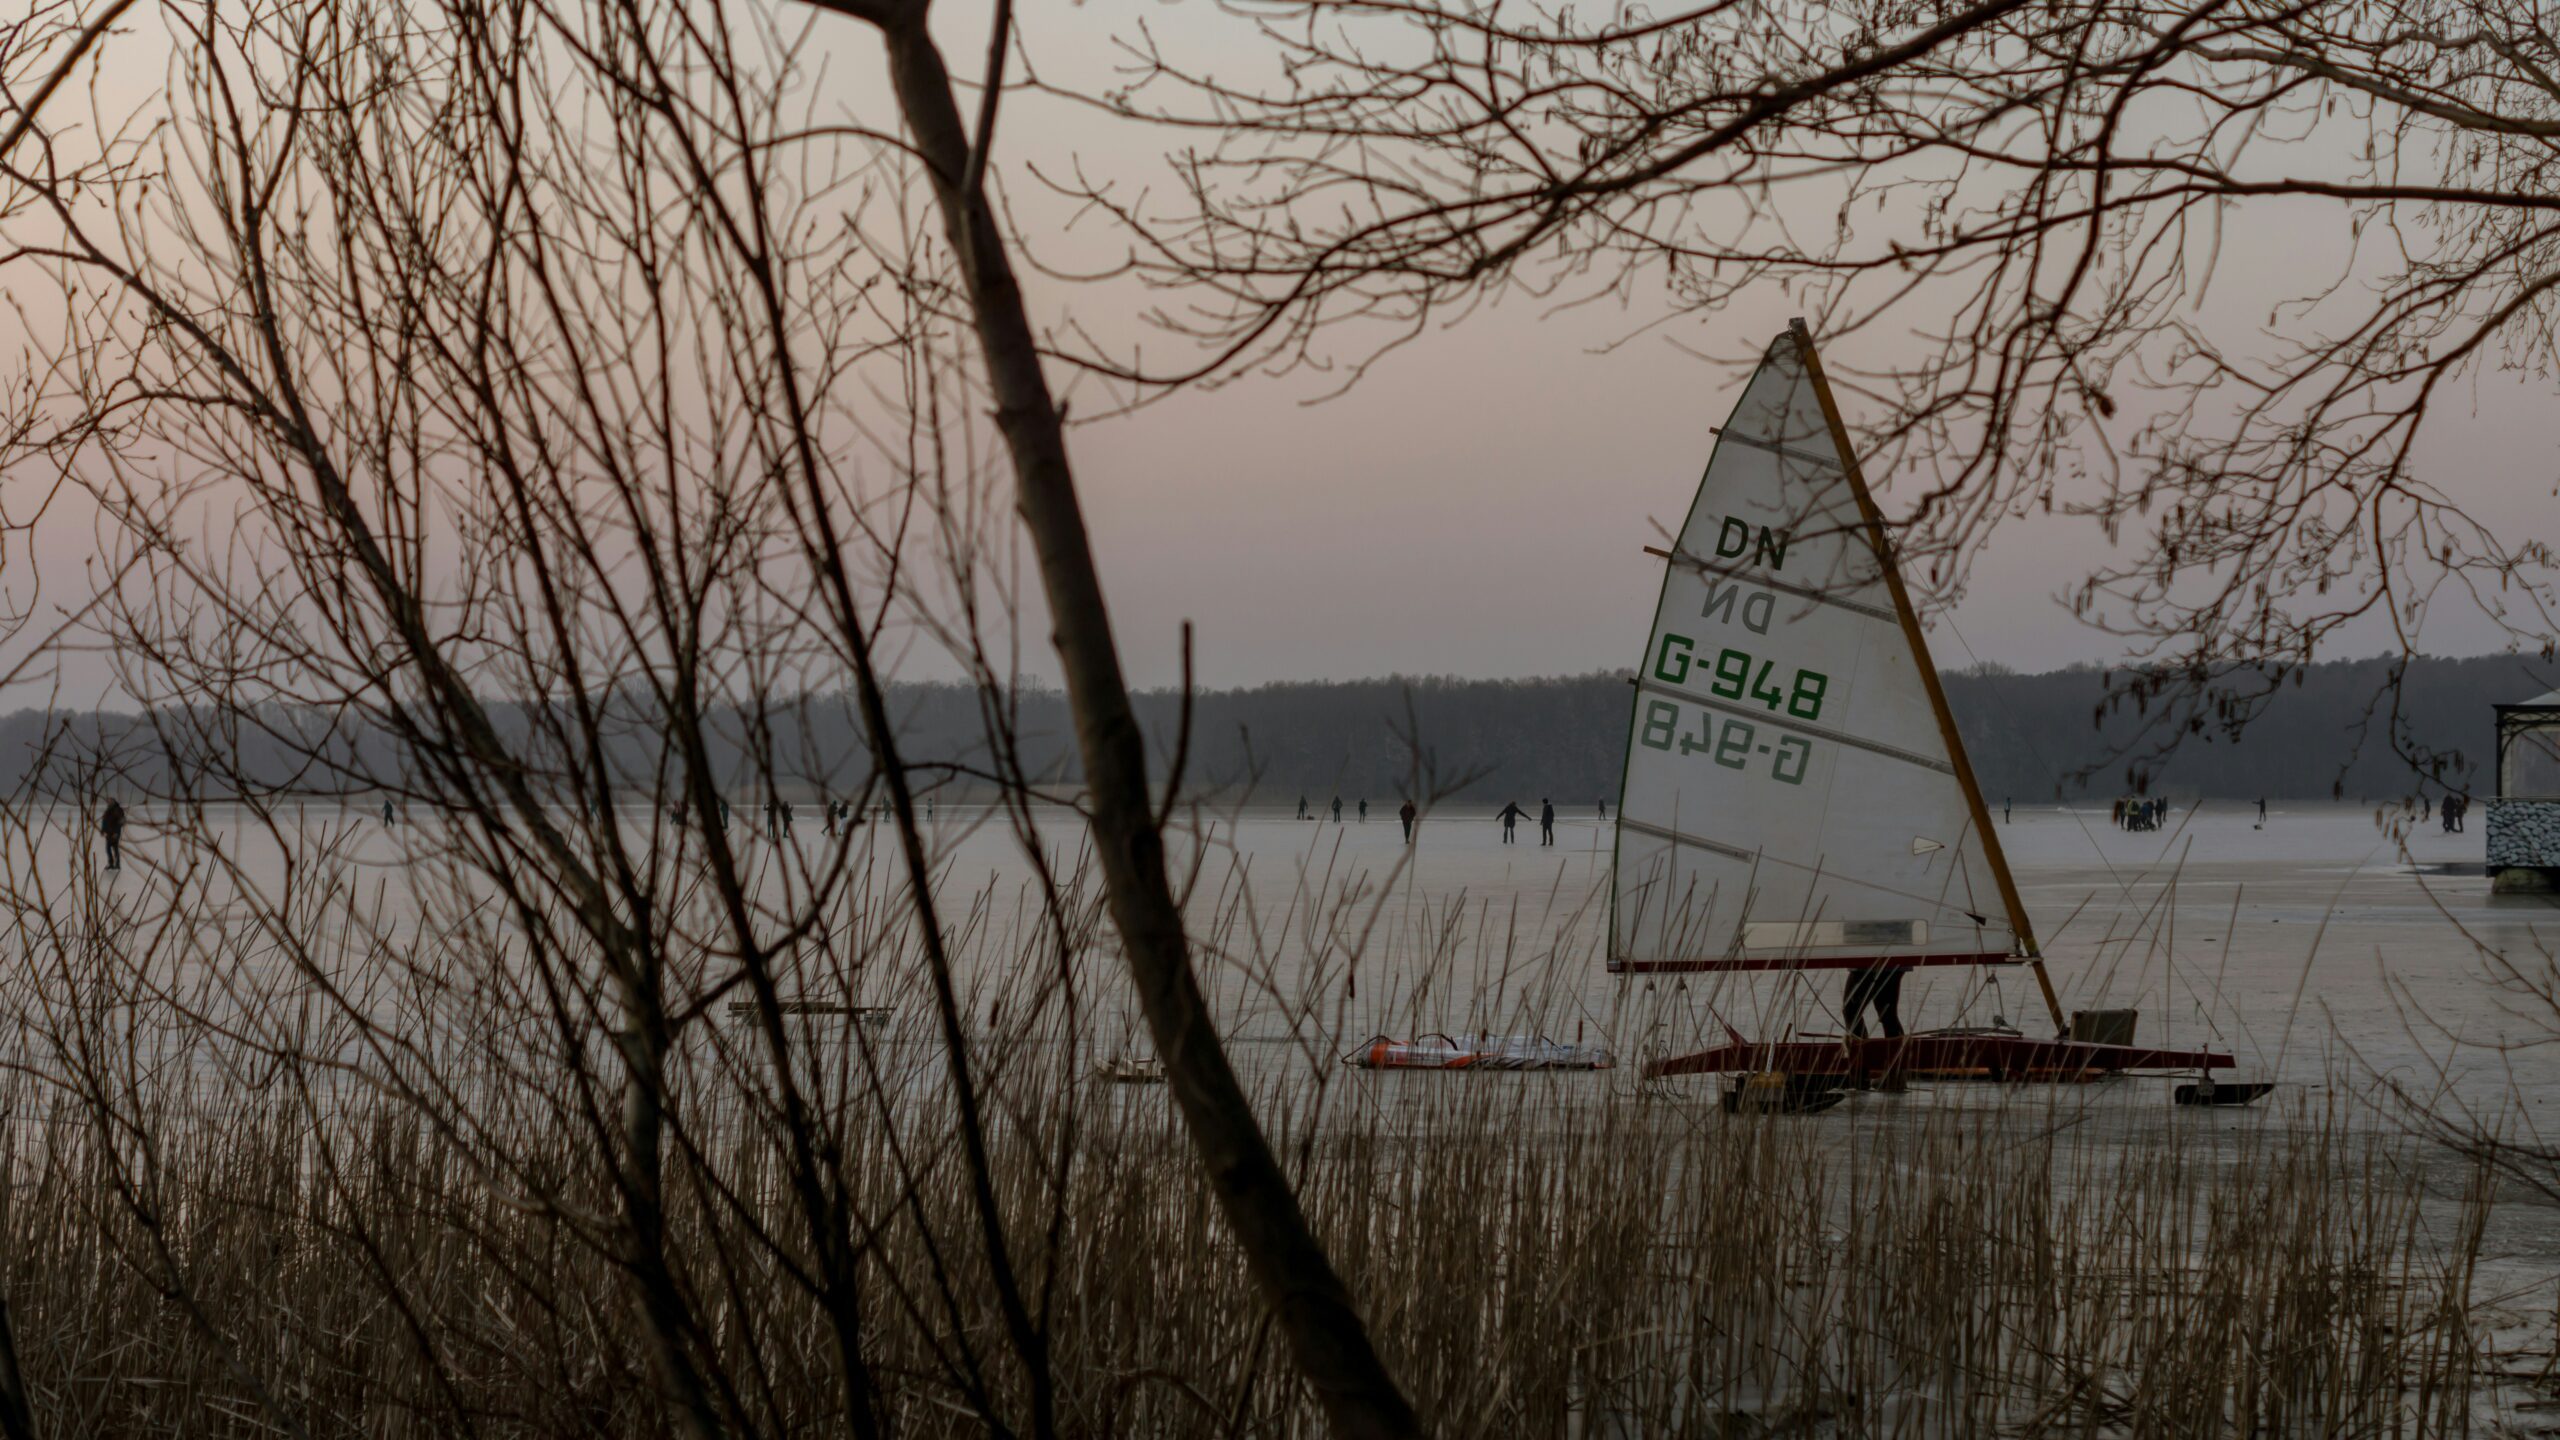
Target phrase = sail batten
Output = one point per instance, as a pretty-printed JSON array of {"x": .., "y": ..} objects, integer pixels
[
  {"x": 1793, "y": 795},
  {"x": 1682, "y": 557},
  {"x": 1777, "y": 448},
  {"x": 1797, "y": 727}
]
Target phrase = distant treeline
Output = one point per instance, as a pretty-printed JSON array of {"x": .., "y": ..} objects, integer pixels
[{"x": 2339, "y": 728}]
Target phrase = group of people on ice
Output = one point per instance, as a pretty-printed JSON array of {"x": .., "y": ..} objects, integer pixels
[
  {"x": 1510, "y": 815},
  {"x": 2148, "y": 812}
]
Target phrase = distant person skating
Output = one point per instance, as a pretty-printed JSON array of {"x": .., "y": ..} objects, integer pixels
[
  {"x": 1511, "y": 815},
  {"x": 2262, "y": 812},
  {"x": 386, "y": 814},
  {"x": 2004, "y": 809},
  {"x": 786, "y": 817},
  {"x": 1881, "y": 987},
  {"x": 111, "y": 829},
  {"x": 1604, "y": 809},
  {"x": 1302, "y": 807},
  {"x": 1406, "y": 815},
  {"x": 1364, "y": 809},
  {"x": 1337, "y": 809},
  {"x": 1546, "y": 821},
  {"x": 831, "y": 819}
]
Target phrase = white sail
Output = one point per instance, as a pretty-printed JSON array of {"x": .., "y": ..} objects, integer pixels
[{"x": 1790, "y": 798}]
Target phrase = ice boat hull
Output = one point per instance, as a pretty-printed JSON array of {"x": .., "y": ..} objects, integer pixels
[{"x": 1988, "y": 1057}]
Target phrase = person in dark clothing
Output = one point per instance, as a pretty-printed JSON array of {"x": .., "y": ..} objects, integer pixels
[
  {"x": 1604, "y": 809},
  {"x": 2262, "y": 811},
  {"x": 786, "y": 817},
  {"x": 724, "y": 814},
  {"x": 1511, "y": 815},
  {"x": 2004, "y": 809},
  {"x": 831, "y": 818},
  {"x": 1881, "y": 987},
  {"x": 1337, "y": 809},
  {"x": 1406, "y": 815},
  {"x": 1364, "y": 809},
  {"x": 1302, "y": 807},
  {"x": 1546, "y": 821},
  {"x": 111, "y": 827}
]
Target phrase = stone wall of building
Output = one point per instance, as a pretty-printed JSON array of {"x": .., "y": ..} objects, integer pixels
[{"x": 2524, "y": 833}]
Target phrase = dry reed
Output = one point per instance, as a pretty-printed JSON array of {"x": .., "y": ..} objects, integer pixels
[{"x": 235, "y": 1211}]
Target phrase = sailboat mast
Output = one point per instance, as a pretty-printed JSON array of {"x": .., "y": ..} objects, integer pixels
[{"x": 1883, "y": 548}]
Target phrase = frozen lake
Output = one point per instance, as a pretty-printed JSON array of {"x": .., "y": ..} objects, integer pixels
[
  {"x": 2357, "y": 959},
  {"x": 2331, "y": 945}
]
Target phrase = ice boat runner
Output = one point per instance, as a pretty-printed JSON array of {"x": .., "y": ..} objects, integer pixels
[{"x": 1795, "y": 796}]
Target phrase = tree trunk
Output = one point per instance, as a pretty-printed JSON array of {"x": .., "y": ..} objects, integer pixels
[{"x": 1290, "y": 1267}]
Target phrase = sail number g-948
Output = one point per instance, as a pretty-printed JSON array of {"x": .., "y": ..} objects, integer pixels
[
  {"x": 1732, "y": 746},
  {"x": 1735, "y": 678}
]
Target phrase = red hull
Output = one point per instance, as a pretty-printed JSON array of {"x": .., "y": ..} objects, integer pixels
[{"x": 1991, "y": 1057}]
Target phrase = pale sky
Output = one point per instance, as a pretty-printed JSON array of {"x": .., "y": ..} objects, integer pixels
[{"x": 1478, "y": 506}]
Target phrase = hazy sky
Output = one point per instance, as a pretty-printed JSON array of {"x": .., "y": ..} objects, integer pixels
[
  {"x": 1479, "y": 506},
  {"x": 1480, "y": 503}
]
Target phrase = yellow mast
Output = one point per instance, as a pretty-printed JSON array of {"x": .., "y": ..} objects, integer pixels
[{"x": 1878, "y": 541}]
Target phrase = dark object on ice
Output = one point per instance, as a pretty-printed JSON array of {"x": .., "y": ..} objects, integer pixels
[
  {"x": 1130, "y": 1070},
  {"x": 2222, "y": 1092},
  {"x": 1770, "y": 1092},
  {"x": 1879, "y": 986},
  {"x": 2104, "y": 1027},
  {"x": 1477, "y": 1052},
  {"x": 112, "y": 828},
  {"x": 860, "y": 1014}
]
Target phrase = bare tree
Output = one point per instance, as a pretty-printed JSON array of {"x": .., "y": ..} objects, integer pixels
[
  {"x": 2017, "y": 216},
  {"x": 531, "y": 458},
  {"x": 1297, "y": 1279}
]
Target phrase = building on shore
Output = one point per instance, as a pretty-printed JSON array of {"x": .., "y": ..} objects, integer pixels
[{"x": 2524, "y": 818}]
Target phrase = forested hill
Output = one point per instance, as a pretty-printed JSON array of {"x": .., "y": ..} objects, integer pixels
[
  {"x": 2326, "y": 732},
  {"x": 2028, "y": 734}
]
